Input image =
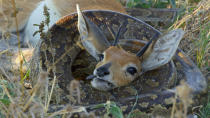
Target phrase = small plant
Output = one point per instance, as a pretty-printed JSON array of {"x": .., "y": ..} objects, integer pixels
[
  {"x": 205, "y": 111},
  {"x": 43, "y": 24},
  {"x": 184, "y": 94},
  {"x": 3, "y": 97},
  {"x": 203, "y": 46},
  {"x": 151, "y": 3},
  {"x": 111, "y": 108}
]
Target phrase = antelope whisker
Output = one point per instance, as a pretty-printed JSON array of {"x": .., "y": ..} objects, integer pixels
[{"x": 91, "y": 77}]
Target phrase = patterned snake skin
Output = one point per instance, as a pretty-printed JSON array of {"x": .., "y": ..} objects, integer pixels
[{"x": 73, "y": 62}]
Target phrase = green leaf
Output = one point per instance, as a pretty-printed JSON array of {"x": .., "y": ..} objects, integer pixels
[
  {"x": 173, "y": 3},
  {"x": 27, "y": 74},
  {"x": 99, "y": 106},
  {"x": 204, "y": 113},
  {"x": 115, "y": 111},
  {"x": 111, "y": 108},
  {"x": 35, "y": 33},
  {"x": 5, "y": 101},
  {"x": 36, "y": 25}
]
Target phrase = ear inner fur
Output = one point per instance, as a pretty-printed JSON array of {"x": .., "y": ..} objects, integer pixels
[
  {"x": 91, "y": 36},
  {"x": 163, "y": 50}
]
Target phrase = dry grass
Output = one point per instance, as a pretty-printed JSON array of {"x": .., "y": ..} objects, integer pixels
[
  {"x": 196, "y": 44},
  {"x": 18, "y": 36},
  {"x": 197, "y": 34},
  {"x": 184, "y": 94},
  {"x": 17, "y": 101}
]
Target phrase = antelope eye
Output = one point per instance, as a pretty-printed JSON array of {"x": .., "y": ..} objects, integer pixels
[
  {"x": 131, "y": 70},
  {"x": 101, "y": 57}
]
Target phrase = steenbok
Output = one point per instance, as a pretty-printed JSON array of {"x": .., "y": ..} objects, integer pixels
[{"x": 117, "y": 67}]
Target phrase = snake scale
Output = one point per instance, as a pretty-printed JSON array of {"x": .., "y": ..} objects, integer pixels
[{"x": 72, "y": 62}]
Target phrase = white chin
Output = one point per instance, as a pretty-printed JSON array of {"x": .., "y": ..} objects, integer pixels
[{"x": 102, "y": 85}]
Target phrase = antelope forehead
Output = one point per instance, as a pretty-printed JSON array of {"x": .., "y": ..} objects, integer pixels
[
  {"x": 127, "y": 60},
  {"x": 114, "y": 52},
  {"x": 121, "y": 57}
]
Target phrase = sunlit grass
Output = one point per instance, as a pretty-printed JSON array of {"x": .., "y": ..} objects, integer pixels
[
  {"x": 203, "y": 46},
  {"x": 205, "y": 110},
  {"x": 151, "y": 3}
]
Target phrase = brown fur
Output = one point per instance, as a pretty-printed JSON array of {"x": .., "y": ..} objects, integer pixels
[
  {"x": 7, "y": 19},
  {"x": 119, "y": 59},
  {"x": 66, "y": 7}
]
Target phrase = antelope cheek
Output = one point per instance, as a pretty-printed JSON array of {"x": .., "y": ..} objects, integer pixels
[{"x": 122, "y": 79}]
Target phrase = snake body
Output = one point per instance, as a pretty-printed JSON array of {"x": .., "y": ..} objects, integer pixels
[{"x": 69, "y": 61}]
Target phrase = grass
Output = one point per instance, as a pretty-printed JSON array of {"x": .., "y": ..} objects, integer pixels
[
  {"x": 151, "y": 3},
  {"x": 203, "y": 46},
  {"x": 16, "y": 101},
  {"x": 196, "y": 25},
  {"x": 194, "y": 20},
  {"x": 18, "y": 34},
  {"x": 204, "y": 112}
]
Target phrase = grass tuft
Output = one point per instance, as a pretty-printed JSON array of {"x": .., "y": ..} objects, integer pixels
[{"x": 203, "y": 46}]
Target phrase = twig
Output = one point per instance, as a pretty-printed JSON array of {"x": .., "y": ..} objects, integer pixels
[
  {"x": 53, "y": 85},
  {"x": 18, "y": 36}
]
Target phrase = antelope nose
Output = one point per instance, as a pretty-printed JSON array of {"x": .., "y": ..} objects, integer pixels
[{"x": 103, "y": 70}]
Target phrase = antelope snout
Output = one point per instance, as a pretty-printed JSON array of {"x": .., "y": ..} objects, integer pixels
[{"x": 102, "y": 70}]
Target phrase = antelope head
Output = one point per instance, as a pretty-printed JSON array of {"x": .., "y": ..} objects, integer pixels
[{"x": 117, "y": 67}]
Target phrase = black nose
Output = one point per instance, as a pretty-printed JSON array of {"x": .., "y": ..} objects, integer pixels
[{"x": 103, "y": 70}]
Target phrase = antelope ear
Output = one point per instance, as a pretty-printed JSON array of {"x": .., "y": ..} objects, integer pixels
[
  {"x": 92, "y": 37},
  {"x": 163, "y": 50}
]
